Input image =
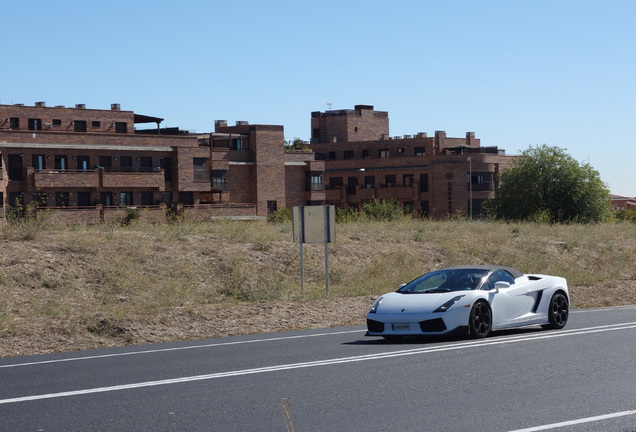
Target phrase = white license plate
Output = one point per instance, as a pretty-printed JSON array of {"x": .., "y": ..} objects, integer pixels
[{"x": 402, "y": 327}]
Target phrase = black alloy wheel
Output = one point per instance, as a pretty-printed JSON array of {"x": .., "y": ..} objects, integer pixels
[
  {"x": 480, "y": 321},
  {"x": 558, "y": 312}
]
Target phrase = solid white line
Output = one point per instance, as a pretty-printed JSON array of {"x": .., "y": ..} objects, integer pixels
[
  {"x": 378, "y": 356},
  {"x": 576, "y": 422},
  {"x": 212, "y": 345}
]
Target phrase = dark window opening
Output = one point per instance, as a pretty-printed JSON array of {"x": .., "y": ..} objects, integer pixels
[
  {"x": 96, "y": 124},
  {"x": 408, "y": 180},
  {"x": 145, "y": 163},
  {"x": 61, "y": 199},
  {"x": 15, "y": 167},
  {"x": 79, "y": 125},
  {"x": 39, "y": 198},
  {"x": 82, "y": 162},
  {"x": 420, "y": 151},
  {"x": 38, "y": 161},
  {"x": 126, "y": 198},
  {"x": 384, "y": 153},
  {"x": 166, "y": 165},
  {"x": 106, "y": 198},
  {"x": 61, "y": 162},
  {"x": 271, "y": 207},
  {"x": 121, "y": 127},
  {"x": 389, "y": 179},
  {"x": 35, "y": 124},
  {"x": 57, "y": 122},
  {"x": 83, "y": 199},
  {"x": 365, "y": 154},
  {"x": 146, "y": 198},
  {"x": 14, "y": 123},
  {"x": 348, "y": 154},
  {"x": 423, "y": 182},
  {"x": 106, "y": 162},
  {"x": 335, "y": 183},
  {"x": 125, "y": 163},
  {"x": 186, "y": 198}
]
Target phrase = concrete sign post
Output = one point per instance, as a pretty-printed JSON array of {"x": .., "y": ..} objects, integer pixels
[{"x": 314, "y": 224}]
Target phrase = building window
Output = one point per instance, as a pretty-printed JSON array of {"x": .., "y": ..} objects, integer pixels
[
  {"x": 121, "y": 127},
  {"x": 200, "y": 168},
  {"x": 237, "y": 144},
  {"x": 420, "y": 151},
  {"x": 106, "y": 162},
  {"x": 61, "y": 199},
  {"x": 400, "y": 150},
  {"x": 335, "y": 183},
  {"x": 82, "y": 162},
  {"x": 83, "y": 199},
  {"x": 125, "y": 163},
  {"x": 365, "y": 154},
  {"x": 408, "y": 180},
  {"x": 14, "y": 123},
  {"x": 145, "y": 163},
  {"x": 348, "y": 154},
  {"x": 271, "y": 207},
  {"x": 15, "y": 167},
  {"x": 166, "y": 165},
  {"x": 424, "y": 208},
  {"x": 61, "y": 162},
  {"x": 79, "y": 125},
  {"x": 106, "y": 198},
  {"x": 186, "y": 198},
  {"x": 96, "y": 124},
  {"x": 218, "y": 180},
  {"x": 146, "y": 198},
  {"x": 332, "y": 155},
  {"x": 57, "y": 122},
  {"x": 126, "y": 198},
  {"x": 314, "y": 181},
  {"x": 39, "y": 198},
  {"x": 384, "y": 153},
  {"x": 35, "y": 124},
  {"x": 423, "y": 182},
  {"x": 409, "y": 206},
  {"x": 369, "y": 182},
  {"x": 389, "y": 179},
  {"x": 39, "y": 162},
  {"x": 481, "y": 181}
]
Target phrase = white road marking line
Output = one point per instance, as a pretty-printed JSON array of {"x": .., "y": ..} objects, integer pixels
[
  {"x": 576, "y": 422},
  {"x": 377, "y": 356},
  {"x": 189, "y": 347}
]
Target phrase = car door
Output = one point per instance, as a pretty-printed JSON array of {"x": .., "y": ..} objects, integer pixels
[{"x": 511, "y": 305}]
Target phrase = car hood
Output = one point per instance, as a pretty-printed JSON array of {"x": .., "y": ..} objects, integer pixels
[{"x": 415, "y": 303}]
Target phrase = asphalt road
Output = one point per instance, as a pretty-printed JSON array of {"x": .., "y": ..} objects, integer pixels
[{"x": 582, "y": 378}]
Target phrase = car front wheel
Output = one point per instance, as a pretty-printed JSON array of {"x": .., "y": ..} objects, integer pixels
[
  {"x": 480, "y": 321},
  {"x": 558, "y": 312}
]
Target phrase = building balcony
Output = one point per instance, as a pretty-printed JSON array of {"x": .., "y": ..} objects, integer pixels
[
  {"x": 52, "y": 178},
  {"x": 134, "y": 179},
  {"x": 388, "y": 191}
]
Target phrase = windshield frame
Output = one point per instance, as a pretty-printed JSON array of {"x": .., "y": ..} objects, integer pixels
[{"x": 447, "y": 280}]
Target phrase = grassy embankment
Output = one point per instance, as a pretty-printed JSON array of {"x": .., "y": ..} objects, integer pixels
[{"x": 106, "y": 281}]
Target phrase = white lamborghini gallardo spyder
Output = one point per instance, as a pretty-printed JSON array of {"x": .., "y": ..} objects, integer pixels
[{"x": 470, "y": 300}]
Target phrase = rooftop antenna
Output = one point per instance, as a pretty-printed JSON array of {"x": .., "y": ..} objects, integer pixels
[{"x": 329, "y": 105}]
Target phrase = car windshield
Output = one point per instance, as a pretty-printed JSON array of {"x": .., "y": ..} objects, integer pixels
[{"x": 445, "y": 281}]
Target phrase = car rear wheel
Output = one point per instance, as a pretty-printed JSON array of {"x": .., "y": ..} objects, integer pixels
[
  {"x": 558, "y": 312},
  {"x": 480, "y": 321}
]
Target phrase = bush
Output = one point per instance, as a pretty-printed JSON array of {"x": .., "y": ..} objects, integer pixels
[
  {"x": 279, "y": 216},
  {"x": 382, "y": 210}
]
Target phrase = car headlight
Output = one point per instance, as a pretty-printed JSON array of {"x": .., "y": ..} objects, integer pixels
[
  {"x": 374, "y": 308},
  {"x": 448, "y": 304}
]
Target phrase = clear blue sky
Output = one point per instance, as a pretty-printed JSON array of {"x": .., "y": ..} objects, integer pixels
[{"x": 517, "y": 73}]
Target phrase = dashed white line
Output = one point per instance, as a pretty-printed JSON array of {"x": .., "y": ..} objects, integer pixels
[{"x": 578, "y": 421}]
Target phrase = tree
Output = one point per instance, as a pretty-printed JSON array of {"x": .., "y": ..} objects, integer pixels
[
  {"x": 295, "y": 144},
  {"x": 547, "y": 184}
]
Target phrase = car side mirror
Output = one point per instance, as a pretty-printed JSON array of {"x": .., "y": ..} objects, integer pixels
[{"x": 501, "y": 285}]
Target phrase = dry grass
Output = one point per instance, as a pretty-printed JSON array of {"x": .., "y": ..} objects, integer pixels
[{"x": 85, "y": 287}]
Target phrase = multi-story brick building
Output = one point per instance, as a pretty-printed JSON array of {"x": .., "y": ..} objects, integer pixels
[
  {"x": 72, "y": 161},
  {"x": 436, "y": 176},
  {"x": 85, "y": 164}
]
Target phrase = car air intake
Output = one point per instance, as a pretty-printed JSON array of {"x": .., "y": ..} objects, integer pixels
[
  {"x": 375, "y": 326},
  {"x": 433, "y": 326}
]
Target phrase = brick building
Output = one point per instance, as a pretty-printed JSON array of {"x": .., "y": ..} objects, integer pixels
[
  {"x": 86, "y": 164},
  {"x": 435, "y": 176}
]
